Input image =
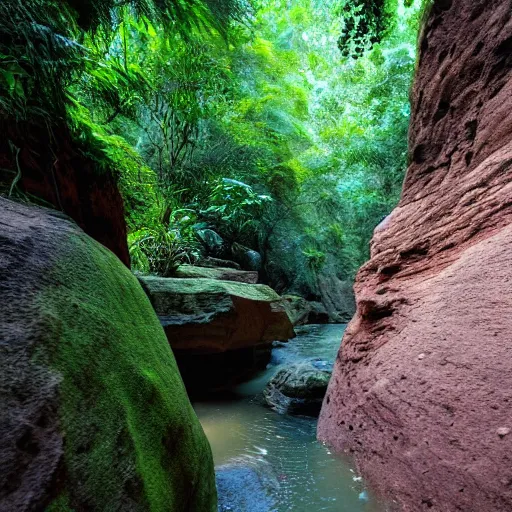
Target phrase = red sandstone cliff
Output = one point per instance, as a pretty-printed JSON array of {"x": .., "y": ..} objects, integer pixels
[
  {"x": 422, "y": 388},
  {"x": 56, "y": 171}
]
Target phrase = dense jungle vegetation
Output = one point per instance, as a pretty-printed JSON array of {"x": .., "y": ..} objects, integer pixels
[{"x": 280, "y": 125}]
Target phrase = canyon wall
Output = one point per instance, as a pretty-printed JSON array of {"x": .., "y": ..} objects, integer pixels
[
  {"x": 55, "y": 171},
  {"x": 421, "y": 394}
]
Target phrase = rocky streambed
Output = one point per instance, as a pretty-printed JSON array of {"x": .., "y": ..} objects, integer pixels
[
  {"x": 257, "y": 385},
  {"x": 270, "y": 462}
]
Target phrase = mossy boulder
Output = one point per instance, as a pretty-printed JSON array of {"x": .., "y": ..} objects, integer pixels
[
  {"x": 299, "y": 388},
  {"x": 221, "y": 332},
  {"x": 94, "y": 412},
  {"x": 208, "y": 316}
]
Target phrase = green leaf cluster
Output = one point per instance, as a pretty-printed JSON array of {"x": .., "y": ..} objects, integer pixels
[{"x": 246, "y": 115}]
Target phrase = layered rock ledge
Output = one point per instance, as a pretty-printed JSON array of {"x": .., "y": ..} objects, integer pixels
[
  {"x": 220, "y": 331},
  {"x": 208, "y": 315},
  {"x": 221, "y": 273}
]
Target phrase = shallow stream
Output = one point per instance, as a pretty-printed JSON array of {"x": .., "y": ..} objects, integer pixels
[{"x": 308, "y": 477}]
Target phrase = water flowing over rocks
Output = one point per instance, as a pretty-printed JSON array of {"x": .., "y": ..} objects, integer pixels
[{"x": 421, "y": 390}]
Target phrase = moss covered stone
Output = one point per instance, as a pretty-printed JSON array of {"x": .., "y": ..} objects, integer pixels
[
  {"x": 223, "y": 274},
  {"x": 209, "y": 316},
  {"x": 112, "y": 426}
]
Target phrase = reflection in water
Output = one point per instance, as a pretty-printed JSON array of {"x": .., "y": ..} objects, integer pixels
[{"x": 310, "y": 478}]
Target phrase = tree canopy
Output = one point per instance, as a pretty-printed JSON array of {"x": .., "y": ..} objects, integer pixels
[{"x": 260, "y": 120}]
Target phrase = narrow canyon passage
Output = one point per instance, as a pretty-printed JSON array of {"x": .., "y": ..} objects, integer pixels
[
  {"x": 255, "y": 256},
  {"x": 277, "y": 457}
]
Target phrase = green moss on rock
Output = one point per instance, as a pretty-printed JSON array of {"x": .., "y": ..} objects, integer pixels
[
  {"x": 109, "y": 426},
  {"x": 130, "y": 431},
  {"x": 219, "y": 273},
  {"x": 210, "y": 316}
]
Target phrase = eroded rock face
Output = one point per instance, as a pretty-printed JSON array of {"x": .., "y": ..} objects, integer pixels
[
  {"x": 210, "y": 316},
  {"x": 94, "y": 415},
  {"x": 54, "y": 170},
  {"x": 422, "y": 389},
  {"x": 298, "y": 309},
  {"x": 288, "y": 270},
  {"x": 221, "y": 332},
  {"x": 303, "y": 312}
]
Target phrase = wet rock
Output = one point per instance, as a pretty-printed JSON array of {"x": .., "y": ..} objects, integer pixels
[
  {"x": 434, "y": 300},
  {"x": 303, "y": 312},
  {"x": 299, "y": 388},
  {"x": 247, "y": 258},
  {"x": 213, "y": 243},
  {"x": 221, "y": 332},
  {"x": 247, "y": 486}
]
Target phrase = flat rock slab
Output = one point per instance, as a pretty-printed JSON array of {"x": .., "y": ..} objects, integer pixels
[
  {"x": 223, "y": 274},
  {"x": 207, "y": 315}
]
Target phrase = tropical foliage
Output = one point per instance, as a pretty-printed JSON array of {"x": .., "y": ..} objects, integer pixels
[{"x": 260, "y": 120}]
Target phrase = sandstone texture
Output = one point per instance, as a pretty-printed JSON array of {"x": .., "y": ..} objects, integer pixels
[
  {"x": 223, "y": 274},
  {"x": 221, "y": 332},
  {"x": 62, "y": 176},
  {"x": 208, "y": 316},
  {"x": 422, "y": 388},
  {"x": 94, "y": 414}
]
